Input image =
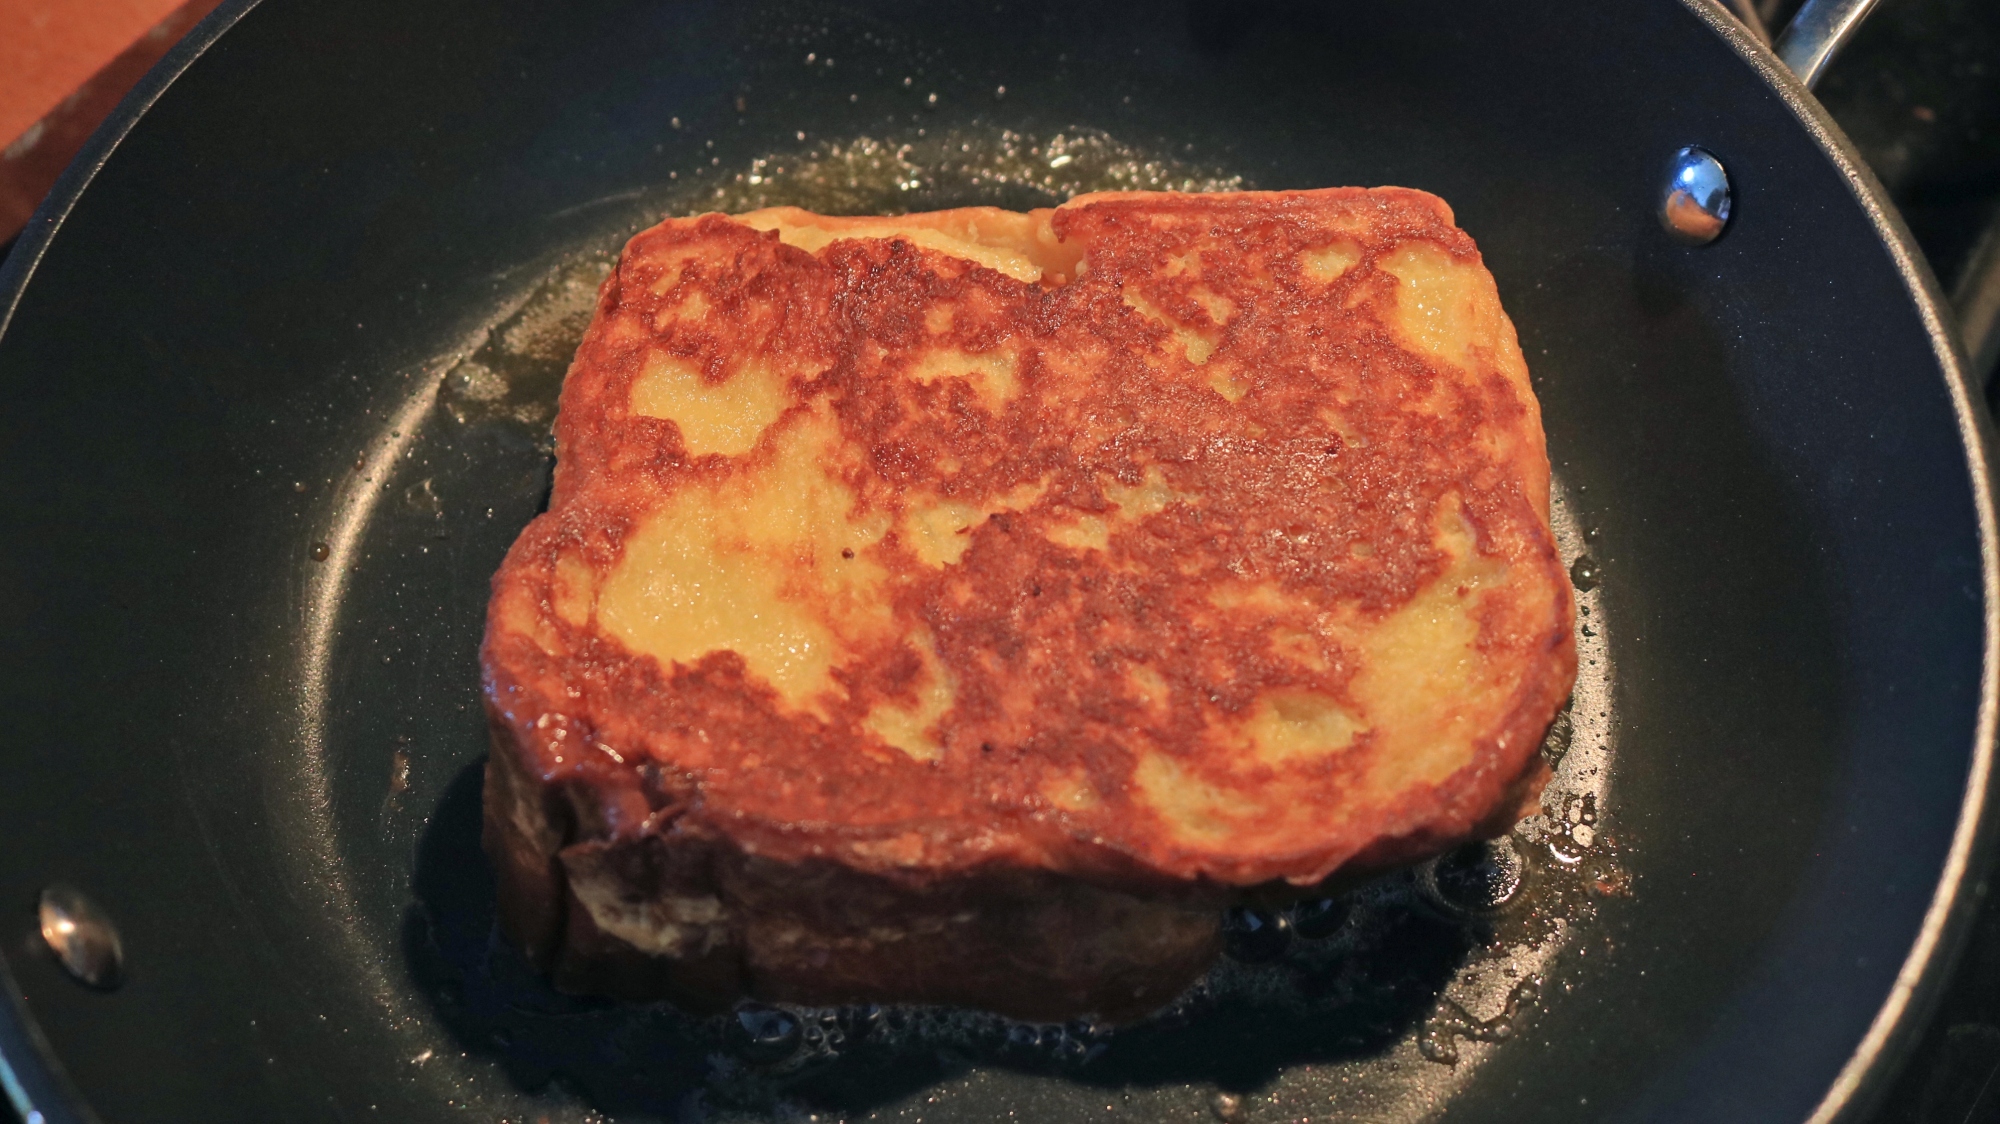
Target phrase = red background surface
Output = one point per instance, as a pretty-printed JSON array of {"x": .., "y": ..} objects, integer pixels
[
  {"x": 49, "y": 47},
  {"x": 63, "y": 66}
]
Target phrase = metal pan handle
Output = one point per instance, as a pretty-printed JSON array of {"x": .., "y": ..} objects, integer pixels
[
  {"x": 1819, "y": 30},
  {"x": 1817, "y": 33}
]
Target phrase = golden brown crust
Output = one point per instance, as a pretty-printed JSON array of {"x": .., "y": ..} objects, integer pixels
[{"x": 1202, "y": 480}]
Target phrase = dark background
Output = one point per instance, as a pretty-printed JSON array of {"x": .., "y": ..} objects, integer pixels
[{"x": 1919, "y": 93}]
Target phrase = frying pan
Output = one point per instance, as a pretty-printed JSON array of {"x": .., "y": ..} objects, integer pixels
[{"x": 251, "y": 510}]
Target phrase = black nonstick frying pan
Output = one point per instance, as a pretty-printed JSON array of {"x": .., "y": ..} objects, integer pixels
[{"x": 277, "y": 367}]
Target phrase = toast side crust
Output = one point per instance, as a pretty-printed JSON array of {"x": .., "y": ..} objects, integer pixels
[{"x": 701, "y": 923}]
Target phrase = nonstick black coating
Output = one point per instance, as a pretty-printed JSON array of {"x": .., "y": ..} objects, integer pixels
[{"x": 204, "y": 729}]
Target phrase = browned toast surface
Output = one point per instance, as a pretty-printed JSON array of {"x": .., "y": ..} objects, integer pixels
[{"x": 1160, "y": 543}]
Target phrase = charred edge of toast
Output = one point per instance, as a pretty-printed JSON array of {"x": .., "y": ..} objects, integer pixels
[{"x": 631, "y": 915}]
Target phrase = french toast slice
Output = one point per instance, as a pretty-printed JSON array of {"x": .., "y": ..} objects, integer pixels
[{"x": 962, "y": 607}]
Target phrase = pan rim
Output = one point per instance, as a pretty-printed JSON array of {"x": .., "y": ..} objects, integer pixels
[
  {"x": 32, "y": 1078},
  {"x": 34, "y": 1082},
  {"x": 1941, "y": 938}
]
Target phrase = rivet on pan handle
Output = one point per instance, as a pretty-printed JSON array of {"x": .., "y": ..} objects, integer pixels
[{"x": 1695, "y": 203}]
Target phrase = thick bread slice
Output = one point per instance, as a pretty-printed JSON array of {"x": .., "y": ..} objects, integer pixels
[{"x": 959, "y": 607}]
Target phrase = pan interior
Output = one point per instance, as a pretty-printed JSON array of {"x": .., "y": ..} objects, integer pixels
[
  {"x": 277, "y": 403},
  {"x": 1388, "y": 1011}
]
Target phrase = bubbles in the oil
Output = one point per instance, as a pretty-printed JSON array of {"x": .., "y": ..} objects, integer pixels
[
  {"x": 516, "y": 374},
  {"x": 421, "y": 498},
  {"x": 1575, "y": 830},
  {"x": 1584, "y": 573},
  {"x": 767, "y": 1034},
  {"x": 1440, "y": 1037},
  {"x": 760, "y": 1044},
  {"x": 953, "y": 168},
  {"x": 1316, "y": 919},
  {"x": 1555, "y": 744},
  {"x": 1476, "y": 879},
  {"x": 1255, "y": 936}
]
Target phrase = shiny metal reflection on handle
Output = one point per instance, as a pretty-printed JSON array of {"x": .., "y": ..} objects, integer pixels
[
  {"x": 1819, "y": 30},
  {"x": 1746, "y": 11}
]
